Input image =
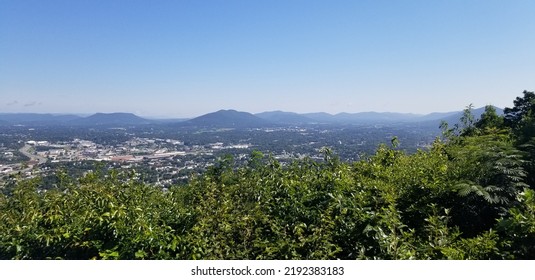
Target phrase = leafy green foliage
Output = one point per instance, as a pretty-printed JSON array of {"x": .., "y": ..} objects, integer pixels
[
  {"x": 521, "y": 117},
  {"x": 518, "y": 227},
  {"x": 490, "y": 121},
  {"x": 466, "y": 197},
  {"x": 521, "y": 120},
  {"x": 99, "y": 218},
  {"x": 386, "y": 207}
]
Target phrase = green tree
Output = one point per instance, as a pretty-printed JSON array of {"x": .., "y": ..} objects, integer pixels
[
  {"x": 466, "y": 126},
  {"x": 518, "y": 227},
  {"x": 521, "y": 119},
  {"x": 490, "y": 122}
]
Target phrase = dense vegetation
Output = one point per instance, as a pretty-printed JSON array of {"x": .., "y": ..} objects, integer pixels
[{"x": 470, "y": 196}]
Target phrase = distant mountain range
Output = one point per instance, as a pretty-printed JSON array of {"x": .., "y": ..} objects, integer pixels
[
  {"x": 236, "y": 119},
  {"x": 36, "y": 119},
  {"x": 366, "y": 117},
  {"x": 98, "y": 119}
]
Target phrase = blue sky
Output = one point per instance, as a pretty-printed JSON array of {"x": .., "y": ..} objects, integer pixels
[{"x": 186, "y": 58}]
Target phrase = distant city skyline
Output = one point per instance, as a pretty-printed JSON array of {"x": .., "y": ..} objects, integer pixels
[{"x": 182, "y": 59}]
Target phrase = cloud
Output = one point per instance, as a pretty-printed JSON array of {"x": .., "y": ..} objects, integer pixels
[
  {"x": 14, "y": 102},
  {"x": 33, "y": 103}
]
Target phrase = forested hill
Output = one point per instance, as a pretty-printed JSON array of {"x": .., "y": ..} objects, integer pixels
[
  {"x": 470, "y": 196},
  {"x": 227, "y": 118}
]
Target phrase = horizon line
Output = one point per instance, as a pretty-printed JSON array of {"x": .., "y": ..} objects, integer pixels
[{"x": 271, "y": 111}]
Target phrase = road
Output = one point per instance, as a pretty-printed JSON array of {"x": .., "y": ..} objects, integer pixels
[{"x": 26, "y": 151}]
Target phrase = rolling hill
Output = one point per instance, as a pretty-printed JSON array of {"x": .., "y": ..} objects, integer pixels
[
  {"x": 227, "y": 119},
  {"x": 104, "y": 119},
  {"x": 281, "y": 117},
  {"x": 36, "y": 119}
]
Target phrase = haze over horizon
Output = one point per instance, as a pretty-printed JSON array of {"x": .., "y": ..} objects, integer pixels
[
  {"x": 188, "y": 58},
  {"x": 228, "y": 109}
]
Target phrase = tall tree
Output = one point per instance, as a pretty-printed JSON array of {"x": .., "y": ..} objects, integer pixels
[
  {"x": 521, "y": 118},
  {"x": 490, "y": 121}
]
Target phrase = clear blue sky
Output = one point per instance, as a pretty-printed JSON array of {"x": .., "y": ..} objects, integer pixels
[{"x": 186, "y": 58}]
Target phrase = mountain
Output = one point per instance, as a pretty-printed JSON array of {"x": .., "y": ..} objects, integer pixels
[
  {"x": 281, "y": 117},
  {"x": 228, "y": 119},
  {"x": 367, "y": 117},
  {"x": 320, "y": 117},
  {"x": 433, "y": 119},
  {"x": 360, "y": 118},
  {"x": 168, "y": 121},
  {"x": 438, "y": 116},
  {"x": 36, "y": 119},
  {"x": 455, "y": 117},
  {"x": 101, "y": 119},
  {"x": 235, "y": 119}
]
